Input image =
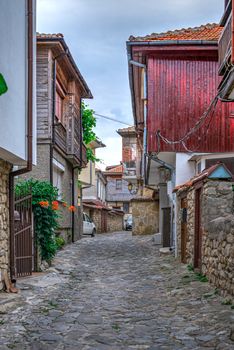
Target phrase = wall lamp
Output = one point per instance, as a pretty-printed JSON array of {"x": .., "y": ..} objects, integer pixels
[{"x": 133, "y": 189}]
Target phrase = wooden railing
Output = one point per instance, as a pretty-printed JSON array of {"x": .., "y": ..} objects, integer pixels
[
  {"x": 69, "y": 136},
  {"x": 84, "y": 156},
  {"x": 225, "y": 46},
  {"x": 60, "y": 136}
]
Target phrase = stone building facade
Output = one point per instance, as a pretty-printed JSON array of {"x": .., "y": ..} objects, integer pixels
[
  {"x": 115, "y": 221},
  {"x": 145, "y": 212},
  {"x": 5, "y": 168},
  {"x": 216, "y": 227}
]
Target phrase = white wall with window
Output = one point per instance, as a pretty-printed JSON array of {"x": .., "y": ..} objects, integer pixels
[{"x": 58, "y": 172}]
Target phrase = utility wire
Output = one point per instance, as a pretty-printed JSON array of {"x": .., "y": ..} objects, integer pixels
[
  {"x": 197, "y": 126},
  {"x": 112, "y": 119}
]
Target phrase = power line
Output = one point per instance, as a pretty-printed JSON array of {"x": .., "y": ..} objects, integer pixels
[{"x": 112, "y": 119}]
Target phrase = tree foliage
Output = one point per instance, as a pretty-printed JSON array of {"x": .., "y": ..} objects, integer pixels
[{"x": 88, "y": 124}]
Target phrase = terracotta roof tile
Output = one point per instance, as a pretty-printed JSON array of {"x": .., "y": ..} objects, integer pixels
[
  {"x": 127, "y": 131},
  {"x": 114, "y": 169},
  {"x": 210, "y": 31},
  {"x": 203, "y": 175},
  {"x": 49, "y": 36}
]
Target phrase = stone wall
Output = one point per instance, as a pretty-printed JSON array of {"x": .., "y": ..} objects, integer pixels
[
  {"x": 217, "y": 232},
  {"x": 4, "y": 217},
  {"x": 145, "y": 214},
  {"x": 114, "y": 222},
  {"x": 96, "y": 216},
  {"x": 190, "y": 197},
  {"x": 218, "y": 235}
]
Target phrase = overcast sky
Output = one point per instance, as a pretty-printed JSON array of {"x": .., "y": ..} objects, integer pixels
[{"x": 96, "y": 32}]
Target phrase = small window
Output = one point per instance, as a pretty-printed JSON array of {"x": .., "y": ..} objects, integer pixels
[
  {"x": 198, "y": 167},
  {"x": 58, "y": 180},
  {"x": 118, "y": 184},
  {"x": 59, "y": 107},
  {"x": 126, "y": 208}
]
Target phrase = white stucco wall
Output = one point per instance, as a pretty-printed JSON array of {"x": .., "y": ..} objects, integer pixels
[
  {"x": 13, "y": 66},
  {"x": 185, "y": 169}
]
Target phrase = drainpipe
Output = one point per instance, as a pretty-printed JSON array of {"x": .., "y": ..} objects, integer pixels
[
  {"x": 28, "y": 168},
  {"x": 144, "y": 152},
  {"x": 53, "y": 119},
  {"x": 73, "y": 175},
  {"x": 73, "y": 201}
]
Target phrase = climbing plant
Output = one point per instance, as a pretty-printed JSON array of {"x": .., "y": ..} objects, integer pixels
[
  {"x": 3, "y": 85},
  {"x": 45, "y": 210},
  {"x": 88, "y": 124}
]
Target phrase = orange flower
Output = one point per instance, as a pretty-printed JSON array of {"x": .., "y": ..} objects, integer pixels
[
  {"x": 64, "y": 204},
  {"x": 71, "y": 208},
  {"x": 55, "y": 205},
  {"x": 44, "y": 204}
]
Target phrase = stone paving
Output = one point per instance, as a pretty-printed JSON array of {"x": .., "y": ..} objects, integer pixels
[{"x": 115, "y": 292}]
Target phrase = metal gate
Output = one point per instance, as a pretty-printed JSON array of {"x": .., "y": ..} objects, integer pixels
[{"x": 22, "y": 245}]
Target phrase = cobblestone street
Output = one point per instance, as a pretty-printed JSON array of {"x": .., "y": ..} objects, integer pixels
[{"x": 115, "y": 292}]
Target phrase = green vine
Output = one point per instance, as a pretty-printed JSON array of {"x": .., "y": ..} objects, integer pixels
[
  {"x": 88, "y": 124},
  {"x": 3, "y": 85},
  {"x": 44, "y": 206}
]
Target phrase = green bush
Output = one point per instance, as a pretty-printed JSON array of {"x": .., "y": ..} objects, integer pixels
[
  {"x": 44, "y": 197},
  {"x": 60, "y": 242}
]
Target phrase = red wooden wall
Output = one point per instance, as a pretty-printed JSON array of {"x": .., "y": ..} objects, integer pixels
[{"x": 179, "y": 91}]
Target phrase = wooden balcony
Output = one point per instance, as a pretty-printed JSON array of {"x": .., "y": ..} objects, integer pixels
[
  {"x": 84, "y": 156},
  {"x": 68, "y": 137},
  {"x": 60, "y": 136},
  {"x": 225, "y": 46}
]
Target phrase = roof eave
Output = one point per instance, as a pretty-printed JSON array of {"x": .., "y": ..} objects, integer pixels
[
  {"x": 172, "y": 42},
  {"x": 87, "y": 91},
  {"x": 131, "y": 84}
]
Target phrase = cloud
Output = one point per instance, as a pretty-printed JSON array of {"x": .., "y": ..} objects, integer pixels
[{"x": 96, "y": 32}]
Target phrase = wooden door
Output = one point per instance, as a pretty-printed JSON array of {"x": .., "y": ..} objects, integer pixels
[
  {"x": 183, "y": 229},
  {"x": 166, "y": 234},
  {"x": 198, "y": 230}
]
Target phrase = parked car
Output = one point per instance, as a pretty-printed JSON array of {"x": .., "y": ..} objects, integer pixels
[
  {"x": 129, "y": 223},
  {"x": 89, "y": 227}
]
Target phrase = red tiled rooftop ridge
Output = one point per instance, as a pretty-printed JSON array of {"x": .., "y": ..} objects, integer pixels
[
  {"x": 49, "y": 36},
  {"x": 210, "y": 31}
]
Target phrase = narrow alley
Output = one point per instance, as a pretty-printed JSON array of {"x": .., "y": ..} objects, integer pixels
[{"x": 115, "y": 292}]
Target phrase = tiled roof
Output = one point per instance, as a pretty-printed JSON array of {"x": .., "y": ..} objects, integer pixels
[
  {"x": 203, "y": 175},
  {"x": 210, "y": 31},
  {"x": 114, "y": 168},
  {"x": 129, "y": 130},
  {"x": 49, "y": 36},
  {"x": 95, "y": 204}
]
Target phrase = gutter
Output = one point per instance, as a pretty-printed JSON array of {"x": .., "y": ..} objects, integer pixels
[
  {"x": 28, "y": 168},
  {"x": 172, "y": 42}
]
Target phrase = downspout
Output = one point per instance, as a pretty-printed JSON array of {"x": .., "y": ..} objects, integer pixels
[
  {"x": 53, "y": 120},
  {"x": 73, "y": 175},
  {"x": 73, "y": 201},
  {"x": 144, "y": 152},
  {"x": 28, "y": 168}
]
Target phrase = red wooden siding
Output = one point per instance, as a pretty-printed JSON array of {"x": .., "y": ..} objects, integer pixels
[{"x": 179, "y": 91}]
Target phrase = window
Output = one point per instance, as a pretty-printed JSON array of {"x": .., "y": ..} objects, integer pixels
[
  {"x": 59, "y": 107},
  {"x": 118, "y": 184},
  {"x": 58, "y": 171},
  {"x": 59, "y": 102},
  {"x": 198, "y": 167},
  {"x": 126, "y": 208}
]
